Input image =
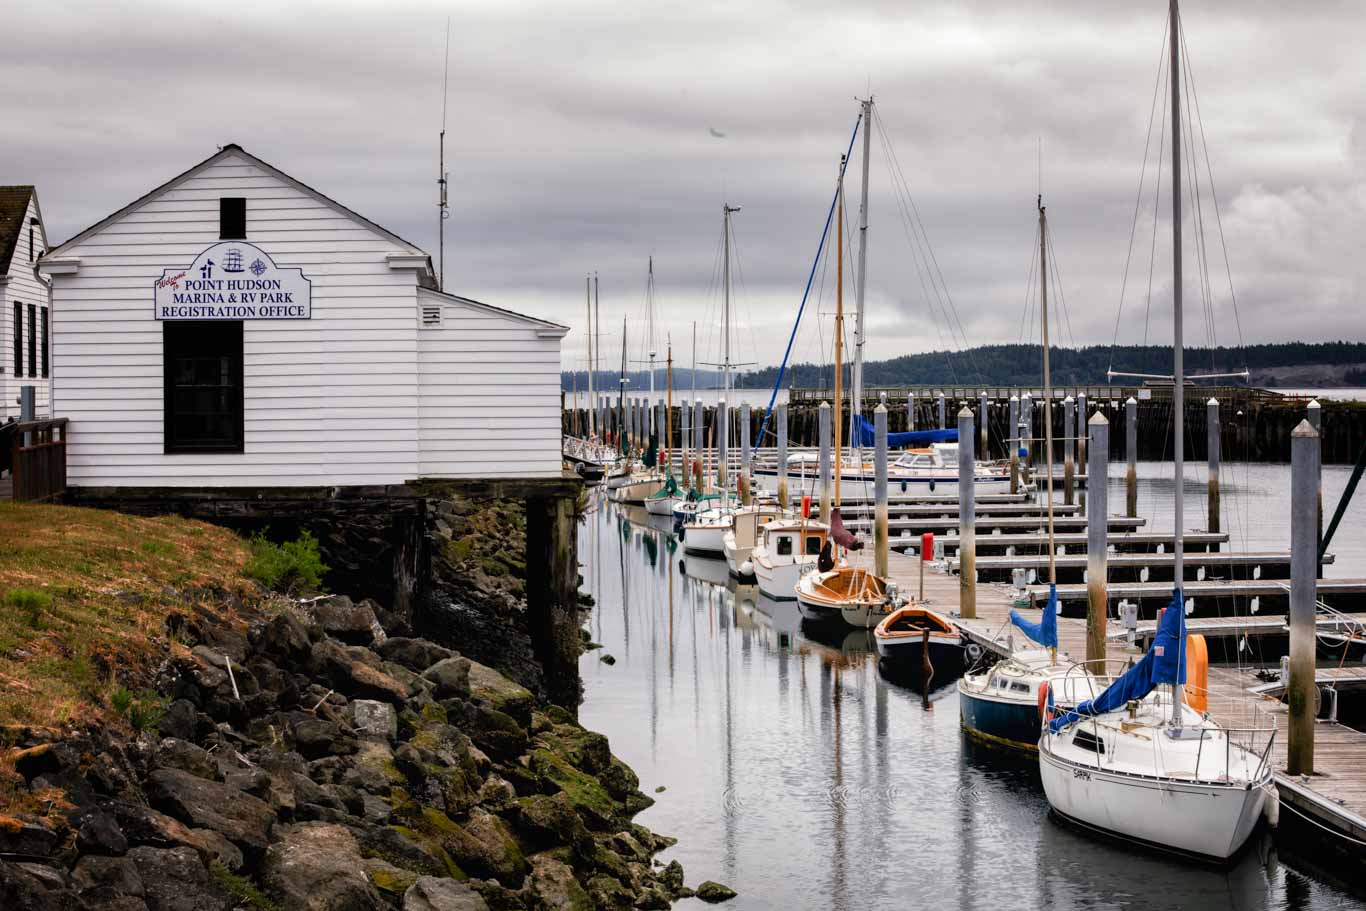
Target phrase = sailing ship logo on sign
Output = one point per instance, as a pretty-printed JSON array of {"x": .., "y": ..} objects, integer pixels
[{"x": 270, "y": 292}]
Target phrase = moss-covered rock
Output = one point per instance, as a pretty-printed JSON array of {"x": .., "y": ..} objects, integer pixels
[
  {"x": 387, "y": 878},
  {"x": 553, "y": 884},
  {"x": 589, "y": 797},
  {"x": 492, "y": 689}
]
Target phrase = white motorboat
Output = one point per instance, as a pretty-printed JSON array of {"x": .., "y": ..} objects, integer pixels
[
  {"x": 737, "y": 543},
  {"x": 933, "y": 468},
  {"x": 638, "y": 488},
  {"x": 705, "y": 533},
  {"x": 787, "y": 550}
]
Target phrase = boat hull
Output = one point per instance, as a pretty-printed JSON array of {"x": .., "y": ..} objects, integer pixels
[
  {"x": 816, "y": 612},
  {"x": 1205, "y": 821},
  {"x": 1001, "y": 722},
  {"x": 779, "y": 582},
  {"x": 661, "y": 506},
  {"x": 707, "y": 540},
  {"x": 638, "y": 490}
]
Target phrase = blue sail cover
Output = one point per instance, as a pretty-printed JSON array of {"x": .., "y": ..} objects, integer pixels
[
  {"x": 867, "y": 437},
  {"x": 1164, "y": 663},
  {"x": 1045, "y": 632}
]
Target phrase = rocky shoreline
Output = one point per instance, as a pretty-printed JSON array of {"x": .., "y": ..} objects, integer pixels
[{"x": 296, "y": 755}]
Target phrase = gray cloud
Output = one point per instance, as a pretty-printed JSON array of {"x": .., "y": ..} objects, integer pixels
[{"x": 580, "y": 138}]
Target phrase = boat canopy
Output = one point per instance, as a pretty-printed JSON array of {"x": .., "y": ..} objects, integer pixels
[
  {"x": 670, "y": 489},
  {"x": 651, "y": 457},
  {"x": 1164, "y": 663},
  {"x": 867, "y": 437},
  {"x": 843, "y": 536},
  {"x": 1045, "y": 632}
]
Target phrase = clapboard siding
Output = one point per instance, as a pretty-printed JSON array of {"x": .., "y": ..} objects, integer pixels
[
  {"x": 489, "y": 404},
  {"x": 23, "y": 287},
  {"x": 330, "y": 400}
]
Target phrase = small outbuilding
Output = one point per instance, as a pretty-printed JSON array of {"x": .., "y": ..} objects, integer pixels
[
  {"x": 234, "y": 327},
  {"x": 24, "y": 330}
]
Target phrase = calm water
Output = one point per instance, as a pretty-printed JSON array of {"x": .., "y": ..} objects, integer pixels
[{"x": 796, "y": 774}]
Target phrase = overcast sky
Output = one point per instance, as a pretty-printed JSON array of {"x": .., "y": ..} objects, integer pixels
[{"x": 581, "y": 136}]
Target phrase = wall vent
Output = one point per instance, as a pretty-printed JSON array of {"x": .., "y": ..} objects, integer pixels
[{"x": 431, "y": 316}]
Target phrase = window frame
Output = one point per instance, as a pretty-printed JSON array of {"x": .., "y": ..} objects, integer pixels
[
  {"x": 45, "y": 345},
  {"x": 227, "y": 207},
  {"x": 172, "y": 444},
  {"x": 18, "y": 339}
]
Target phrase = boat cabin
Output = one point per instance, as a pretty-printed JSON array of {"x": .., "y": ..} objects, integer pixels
[{"x": 787, "y": 539}]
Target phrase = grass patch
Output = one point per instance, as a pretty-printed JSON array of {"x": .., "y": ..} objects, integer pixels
[
  {"x": 242, "y": 890},
  {"x": 84, "y": 596},
  {"x": 289, "y": 567}
]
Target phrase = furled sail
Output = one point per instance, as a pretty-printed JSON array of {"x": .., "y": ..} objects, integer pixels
[
  {"x": 651, "y": 457},
  {"x": 1164, "y": 663},
  {"x": 1045, "y": 632},
  {"x": 868, "y": 438}
]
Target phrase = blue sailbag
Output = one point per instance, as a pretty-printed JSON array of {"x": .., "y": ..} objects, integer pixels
[
  {"x": 1164, "y": 663},
  {"x": 1045, "y": 632},
  {"x": 867, "y": 437}
]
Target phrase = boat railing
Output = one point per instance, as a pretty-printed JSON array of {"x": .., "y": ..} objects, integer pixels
[{"x": 1247, "y": 737}]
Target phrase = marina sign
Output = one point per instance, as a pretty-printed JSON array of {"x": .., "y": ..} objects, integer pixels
[{"x": 233, "y": 280}]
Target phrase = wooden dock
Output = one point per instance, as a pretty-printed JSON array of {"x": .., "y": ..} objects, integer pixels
[
  {"x": 1130, "y": 567},
  {"x": 1123, "y": 542},
  {"x": 1334, "y": 797},
  {"x": 1338, "y": 593},
  {"x": 985, "y": 524}
]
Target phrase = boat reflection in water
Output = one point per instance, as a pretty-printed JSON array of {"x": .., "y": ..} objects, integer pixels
[{"x": 791, "y": 764}]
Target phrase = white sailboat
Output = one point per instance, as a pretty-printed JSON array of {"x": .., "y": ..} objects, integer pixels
[{"x": 1137, "y": 761}]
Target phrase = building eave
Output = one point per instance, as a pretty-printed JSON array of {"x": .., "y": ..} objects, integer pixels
[
  {"x": 59, "y": 265},
  {"x": 544, "y": 328}
]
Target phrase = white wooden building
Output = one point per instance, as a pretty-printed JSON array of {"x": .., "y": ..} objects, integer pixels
[
  {"x": 24, "y": 331},
  {"x": 236, "y": 328}
]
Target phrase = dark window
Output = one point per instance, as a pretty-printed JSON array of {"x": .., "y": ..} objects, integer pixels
[
  {"x": 32, "y": 339},
  {"x": 203, "y": 363},
  {"x": 813, "y": 545},
  {"x": 232, "y": 218},
  {"x": 784, "y": 546},
  {"x": 43, "y": 343},
  {"x": 1085, "y": 740},
  {"x": 18, "y": 339}
]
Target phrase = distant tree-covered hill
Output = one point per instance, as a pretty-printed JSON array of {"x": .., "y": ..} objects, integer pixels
[{"x": 1316, "y": 363}]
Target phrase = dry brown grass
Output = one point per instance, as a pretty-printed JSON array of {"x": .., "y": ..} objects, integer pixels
[{"x": 84, "y": 594}]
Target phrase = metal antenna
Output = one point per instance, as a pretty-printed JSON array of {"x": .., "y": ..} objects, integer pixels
[{"x": 441, "y": 172}]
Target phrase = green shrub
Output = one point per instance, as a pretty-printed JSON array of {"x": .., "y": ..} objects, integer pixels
[
  {"x": 142, "y": 712},
  {"x": 289, "y": 567},
  {"x": 30, "y": 603},
  {"x": 156, "y": 548},
  {"x": 241, "y": 889}
]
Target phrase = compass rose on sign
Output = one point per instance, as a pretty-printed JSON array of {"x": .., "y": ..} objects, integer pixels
[{"x": 257, "y": 267}]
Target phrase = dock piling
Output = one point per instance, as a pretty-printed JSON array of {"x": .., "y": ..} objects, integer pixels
[
  {"x": 880, "y": 543},
  {"x": 1082, "y": 419},
  {"x": 745, "y": 453},
  {"x": 1097, "y": 519},
  {"x": 780, "y": 418},
  {"x": 1131, "y": 456},
  {"x": 1069, "y": 435},
  {"x": 1314, "y": 414},
  {"x": 1027, "y": 435},
  {"x": 1013, "y": 444},
  {"x": 943, "y": 414},
  {"x": 1304, "y": 481},
  {"x": 685, "y": 416},
  {"x": 910, "y": 411},
  {"x": 983, "y": 439},
  {"x": 823, "y": 425},
  {"x": 967, "y": 519},
  {"x": 1212, "y": 445}
]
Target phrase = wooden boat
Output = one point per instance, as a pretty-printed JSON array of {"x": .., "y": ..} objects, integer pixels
[
  {"x": 738, "y": 541},
  {"x": 911, "y": 636},
  {"x": 853, "y": 595}
]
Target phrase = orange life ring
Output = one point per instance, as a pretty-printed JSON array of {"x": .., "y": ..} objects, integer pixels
[{"x": 1043, "y": 701}]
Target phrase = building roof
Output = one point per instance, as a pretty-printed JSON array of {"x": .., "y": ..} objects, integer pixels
[
  {"x": 233, "y": 148},
  {"x": 13, "y": 206},
  {"x": 545, "y": 324}
]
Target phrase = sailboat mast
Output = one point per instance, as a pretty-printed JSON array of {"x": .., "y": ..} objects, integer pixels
[
  {"x": 597, "y": 349},
  {"x": 855, "y": 438},
  {"x": 1047, "y": 384},
  {"x": 839, "y": 329},
  {"x": 650, "y": 322},
  {"x": 669, "y": 406},
  {"x": 621, "y": 394},
  {"x": 1178, "y": 366},
  {"x": 725, "y": 297},
  {"x": 592, "y": 402}
]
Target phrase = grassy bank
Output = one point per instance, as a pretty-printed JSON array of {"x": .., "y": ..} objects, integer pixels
[{"x": 84, "y": 596}]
